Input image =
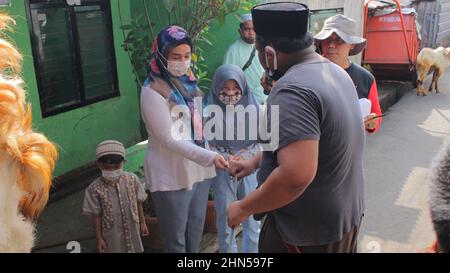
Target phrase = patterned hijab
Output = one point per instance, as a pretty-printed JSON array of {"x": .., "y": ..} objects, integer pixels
[{"x": 176, "y": 90}]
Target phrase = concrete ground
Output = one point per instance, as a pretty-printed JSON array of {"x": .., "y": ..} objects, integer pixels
[
  {"x": 62, "y": 222},
  {"x": 397, "y": 160}
]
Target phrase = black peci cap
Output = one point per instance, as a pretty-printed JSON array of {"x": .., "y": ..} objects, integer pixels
[{"x": 281, "y": 19}]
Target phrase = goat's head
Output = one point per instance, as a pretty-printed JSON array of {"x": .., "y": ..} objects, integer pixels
[{"x": 445, "y": 52}]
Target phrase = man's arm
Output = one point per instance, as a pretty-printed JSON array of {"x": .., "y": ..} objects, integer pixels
[
  {"x": 297, "y": 156},
  {"x": 297, "y": 169},
  {"x": 243, "y": 168}
]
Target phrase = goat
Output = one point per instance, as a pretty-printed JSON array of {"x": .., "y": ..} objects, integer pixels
[{"x": 438, "y": 59}]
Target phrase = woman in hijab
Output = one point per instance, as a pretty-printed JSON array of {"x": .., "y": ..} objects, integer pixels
[
  {"x": 230, "y": 92},
  {"x": 177, "y": 163}
]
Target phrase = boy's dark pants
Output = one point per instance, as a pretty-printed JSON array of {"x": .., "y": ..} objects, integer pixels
[{"x": 270, "y": 241}]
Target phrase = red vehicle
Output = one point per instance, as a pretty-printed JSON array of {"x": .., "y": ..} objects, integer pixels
[{"x": 392, "y": 42}]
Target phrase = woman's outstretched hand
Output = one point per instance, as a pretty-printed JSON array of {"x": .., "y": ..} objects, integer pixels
[{"x": 220, "y": 162}]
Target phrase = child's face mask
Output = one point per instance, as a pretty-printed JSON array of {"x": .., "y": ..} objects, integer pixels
[
  {"x": 230, "y": 94},
  {"x": 112, "y": 175},
  {"x": 230, "y": 100}
]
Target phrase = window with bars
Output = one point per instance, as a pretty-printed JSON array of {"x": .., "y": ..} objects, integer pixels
[{"x": 73, "y": 50}]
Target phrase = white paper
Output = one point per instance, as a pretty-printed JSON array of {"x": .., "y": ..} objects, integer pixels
[{"x": 365, "y": 105}]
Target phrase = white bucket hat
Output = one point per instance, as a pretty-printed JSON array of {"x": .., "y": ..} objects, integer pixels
[{"x": 345, "y": 28}]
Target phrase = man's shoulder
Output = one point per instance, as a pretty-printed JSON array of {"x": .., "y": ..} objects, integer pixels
[
  {"x": 303, "y": 75},
  {"x": 315, "y": 62},
  {"x": 362, "y": 72},
  {"x": 234, "y": 44},
  {"x": 289, "y": 93},
  {"x": 234, "y": 48}
]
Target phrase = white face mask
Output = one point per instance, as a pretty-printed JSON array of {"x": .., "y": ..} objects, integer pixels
[
  {"x": 112, "y": 175},
  {"x": 275, "y": 74},
  {"x": 177, "y": 68},
  {"x": 275, "y": 64}
]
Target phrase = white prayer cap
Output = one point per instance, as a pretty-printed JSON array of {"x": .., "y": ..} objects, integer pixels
[
  {"x": 246, "y": 17},
  {"x": 110, "y": 147}
]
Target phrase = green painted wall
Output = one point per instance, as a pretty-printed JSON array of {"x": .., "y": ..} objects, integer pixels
[
  {"x": 224, "y": 35},
  {"x": 77, "y": 132},
  {"x": 135, "y": 158}
]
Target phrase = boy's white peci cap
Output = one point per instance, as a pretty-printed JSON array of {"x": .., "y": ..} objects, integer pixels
[{"x": 110, "y": 147}]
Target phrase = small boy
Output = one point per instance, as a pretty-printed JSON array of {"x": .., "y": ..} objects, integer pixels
[{"x": 115, "y": 202}]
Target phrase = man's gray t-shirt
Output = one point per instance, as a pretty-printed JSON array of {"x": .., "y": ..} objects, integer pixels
[{"x": 318, "y": 101}]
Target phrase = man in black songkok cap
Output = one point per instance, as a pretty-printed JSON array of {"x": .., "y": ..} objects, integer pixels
[{"x": 311, "y": 180}]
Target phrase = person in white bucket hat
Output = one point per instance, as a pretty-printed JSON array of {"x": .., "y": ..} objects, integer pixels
[
  {"x": 345, "y": 29},
  {"x": 337, "y": 41}
]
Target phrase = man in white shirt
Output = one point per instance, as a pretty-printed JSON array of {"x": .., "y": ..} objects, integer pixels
[{"x": 244, "y": 54}]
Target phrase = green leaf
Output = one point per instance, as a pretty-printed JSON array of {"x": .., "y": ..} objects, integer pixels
[{"x": 206, "y": 41}]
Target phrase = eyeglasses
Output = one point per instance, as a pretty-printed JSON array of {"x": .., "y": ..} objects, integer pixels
[{"x": 336, "y": 40}]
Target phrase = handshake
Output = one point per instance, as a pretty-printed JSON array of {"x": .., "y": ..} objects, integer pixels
[{"x": 236, "y": 165}]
